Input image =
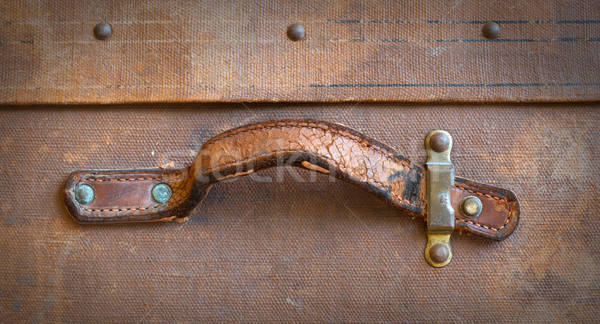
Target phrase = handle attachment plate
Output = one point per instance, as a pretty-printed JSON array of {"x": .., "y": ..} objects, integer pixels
[{"x": 440, "y": 214}]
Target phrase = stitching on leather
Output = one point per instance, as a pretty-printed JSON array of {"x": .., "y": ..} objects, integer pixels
[
  {"x": 121, "y": 180},
  {"x": 136, "y": 208},
  {"x": 342, "y": 133},
  {"x": 510, "y": 212},
  {"x": 405, "y": 201},
  {"x": 500, "y": 200},
  {"x": 115, "y": 180},
  {"x": 322, "y": 127}
]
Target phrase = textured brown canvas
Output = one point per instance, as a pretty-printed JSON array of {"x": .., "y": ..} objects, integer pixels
[
  {"x": 420, "y": 51},
  {"x": 298, "y": 250},
  {"x": 298, "y": 246}
]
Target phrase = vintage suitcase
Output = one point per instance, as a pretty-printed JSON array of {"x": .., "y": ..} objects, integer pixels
[{"x": 103, "y": 86}]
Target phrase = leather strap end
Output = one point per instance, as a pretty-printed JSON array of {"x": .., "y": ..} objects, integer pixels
[
  {"x": 126, "y": 196},
  {"x": 500, "y": 209}
]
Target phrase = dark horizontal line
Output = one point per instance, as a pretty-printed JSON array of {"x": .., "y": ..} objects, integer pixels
[
  {"x": 451, "y": 85},
  {"x": 468, "y": 40},
  {"x": 385, "y": 21}
]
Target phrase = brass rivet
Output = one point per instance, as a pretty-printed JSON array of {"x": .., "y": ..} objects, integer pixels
[
  {"x": 296, "y": 32},
  {"x": 102, "y": 31},
  {"x": 84, "y": 194},
  {"x": 471, "y": 206},
  {"x": 439, "y": 142},
  {"x": 439, "y": 253},
  {"x": 491, "y": 30},
  {"x": 162, "y": 193}
]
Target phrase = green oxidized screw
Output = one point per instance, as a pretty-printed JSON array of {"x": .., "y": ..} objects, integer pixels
[
  {"x": 84, "y": 194},
  {"x": 162, "y": 193}
]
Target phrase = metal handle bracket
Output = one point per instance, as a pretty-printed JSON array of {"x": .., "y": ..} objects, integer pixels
[{"x": 440, "y": 214}]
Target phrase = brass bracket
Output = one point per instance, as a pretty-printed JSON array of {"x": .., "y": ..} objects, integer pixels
[{"x": 440, "y": 214}]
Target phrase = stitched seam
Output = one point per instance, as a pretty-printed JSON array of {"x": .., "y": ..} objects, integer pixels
[
  {"x": 341, "y": 166},
  {"x": 362, "y": 141},
  {"x": 121, "y": 180},
  {"x": 500, "y": 200},
  {"x": 481, "y": 194},
  {"x": 378, "y": 185},
  {"x": 115, "y": 180},
  {"x": 135, "y": 208}
]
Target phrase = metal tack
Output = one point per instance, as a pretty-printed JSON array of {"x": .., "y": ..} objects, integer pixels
[
  {"x": 102, "y": 31},
  {"x": 296, "y": 32}
]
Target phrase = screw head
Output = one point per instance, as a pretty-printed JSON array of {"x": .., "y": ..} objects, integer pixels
[
  {"x": 439, "y": 142},
  {"x": 439, "y": 253},
  {"x": 162, "y": 193},
  {"x": 102, "y": 31},
  {"x": 491, "y": 30},
  {"x": 471, "y": 206},
  {"x": 84, "y": 194},
  {"x": 296, "y": 32}
]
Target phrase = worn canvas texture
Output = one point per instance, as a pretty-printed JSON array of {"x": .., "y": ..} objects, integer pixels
[
  {"x": 183, "y": 51},
  {"x": 298, "y": 247}
]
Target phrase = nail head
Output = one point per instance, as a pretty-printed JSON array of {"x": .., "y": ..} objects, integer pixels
[
  {"x": 439, "y": 253},
  {"x": 296, "y": 32},
  {"x": 102, "y": 31},
  {"x": 491, "y": 30},
  {"x": 439, "y": 142}
]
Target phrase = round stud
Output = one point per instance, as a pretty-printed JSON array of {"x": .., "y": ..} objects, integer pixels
[
  {"x": 84, "y": 194},
  {"x": 439, "y": 253},
  {"x": 471, "y": 206},
  {"x": 162, "y": 193},
  {"x": 296, "y": 32},
  {"x": 491, "y": 30},
  {"x": 102, "y": 31},
  {"x": 439, "y": 142}
]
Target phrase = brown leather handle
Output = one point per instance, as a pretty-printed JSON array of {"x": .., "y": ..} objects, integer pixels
[{"x": 125, "y": 196}]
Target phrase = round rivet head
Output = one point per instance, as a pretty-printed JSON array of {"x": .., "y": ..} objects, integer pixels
[
  {"x": 439, "y": 142},
  {"x": 296, "y": 32},
  {"x": 161, "y": 193},
  {"x": 491, "y": 30},
  {"x": 84, "y": 194},
  {"x": 102, "y": 31},
  {"x": 439, "y": 253},
  {"x": 471, "y": 206}
]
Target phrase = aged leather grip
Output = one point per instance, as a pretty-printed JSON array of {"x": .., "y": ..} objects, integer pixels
[{"x": 125, "y": 196}]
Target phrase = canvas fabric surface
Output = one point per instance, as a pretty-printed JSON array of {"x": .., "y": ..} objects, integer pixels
[
  {"x": 184, "y": 51},
  {"x": 298, "y": 247},
  {"x": 290, "y": 245}
]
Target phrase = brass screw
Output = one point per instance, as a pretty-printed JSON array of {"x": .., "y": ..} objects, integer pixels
[
  {"x": 471, "y": 206},
  {"x": 296, "y": 32},
  {"x": 102, "y": 31},
  {"x": 439, "y": 253},
  {"x": 491, "y": 30}
]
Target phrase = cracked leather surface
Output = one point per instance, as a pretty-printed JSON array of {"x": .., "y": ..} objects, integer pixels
[{"x": 328, "y": 148}]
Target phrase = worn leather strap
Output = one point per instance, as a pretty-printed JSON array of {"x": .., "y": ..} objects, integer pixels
[{"x": 125, "y": 196}]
